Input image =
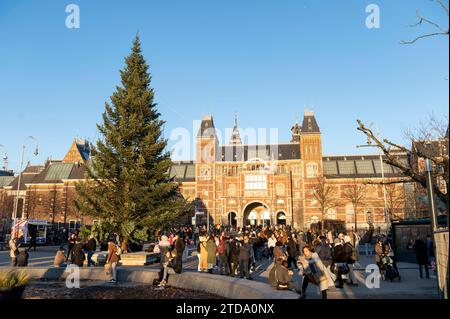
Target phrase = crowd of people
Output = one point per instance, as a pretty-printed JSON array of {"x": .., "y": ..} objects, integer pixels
[{"x": 324, "y": 259}]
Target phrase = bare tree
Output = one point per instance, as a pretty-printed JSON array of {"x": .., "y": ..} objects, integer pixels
[
  {"x": 422, "y": 20},
  {"x": 427, "y": 142},
  {"x": 325, "y": 194},
  {"x": 395, "y": 199},
  {"x": 355, "y": 193}
]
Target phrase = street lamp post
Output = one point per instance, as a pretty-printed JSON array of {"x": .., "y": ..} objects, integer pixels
[{"x": 16, "y": 201}]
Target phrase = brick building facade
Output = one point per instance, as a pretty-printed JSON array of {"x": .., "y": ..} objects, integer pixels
[
  {"x": 271, "y": 184},
  {"x": 234, "y": 184}
]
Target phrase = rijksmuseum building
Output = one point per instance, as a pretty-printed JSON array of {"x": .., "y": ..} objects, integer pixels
[{"x": 236, "y": 183}]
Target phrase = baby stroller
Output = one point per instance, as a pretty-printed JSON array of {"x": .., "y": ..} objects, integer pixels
[{"x": 390, "y": 272}]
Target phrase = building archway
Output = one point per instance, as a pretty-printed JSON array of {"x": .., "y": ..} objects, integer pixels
[
  {"x": 232, "y": 220},
  {"x": 281, "y": 218},
  {"x": 253, "y": 213}
]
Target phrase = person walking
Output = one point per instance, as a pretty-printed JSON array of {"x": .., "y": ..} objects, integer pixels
[
  {"x": 313, "y": 271},
  {"x": 91, "y": 247},
  {"x": 339, "y": 266},
  {"x": 71, "y": 243},
  {"x": 430, "y": 253},
  {"x": 114, "y": 252},
  {"x": 422, "y": 257},
  {"x": 381, "y": 250},
  {"x": 351, "y": 257}
]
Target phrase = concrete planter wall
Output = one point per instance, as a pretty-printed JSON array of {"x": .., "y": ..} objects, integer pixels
[{"x": 227, "y": 287}]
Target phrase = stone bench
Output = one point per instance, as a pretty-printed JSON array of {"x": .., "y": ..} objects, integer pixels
[{"x": 129, "y": 259}]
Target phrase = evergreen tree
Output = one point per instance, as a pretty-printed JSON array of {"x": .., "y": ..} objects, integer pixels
[{"x": 128, "y": 184}]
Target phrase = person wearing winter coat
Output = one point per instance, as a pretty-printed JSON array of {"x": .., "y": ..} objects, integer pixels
[
  {"x": 113, "y": 257},
  {"x": 323, "y": 249},
  {"x": 211, "y": 253},
  {"x": 60, "y": 257},
  {"x": 22, "y": 257},
  {"x": 281, "y": 277},
  {"x": 244, "y": 257},
  {"x": 292, "y": 252},
  {"x": 77, "y": 256},
  {"x": 203, "y": 253},
  {"x": 14, "y": 250},
  {"x": 351, "y": 257},
  {"x": 422, "y": 257},
  {"x": 381, "y": 250},
  {"x": 233, "y": 257},
  {"x": 179, "y": 247},
  {"x": 313, "y": 271},
  {"x": 339, "y": 265},
  {"x": 223, "y": 251}
]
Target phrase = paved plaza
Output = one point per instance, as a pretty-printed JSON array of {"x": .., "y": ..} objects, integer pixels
[{"x": 410, "y": 286}]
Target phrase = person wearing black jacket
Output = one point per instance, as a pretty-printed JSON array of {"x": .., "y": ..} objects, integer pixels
[
  {"x": 422, "y": 257},
  {"x": 292, "y": 252},
  {"x": 339, "y": 263},
  {"x": 91, "y": 247},
  {"x": 233, "y": 257},
  {"x": 77, "y": 256},
  {"x": 179, "y": 248}
]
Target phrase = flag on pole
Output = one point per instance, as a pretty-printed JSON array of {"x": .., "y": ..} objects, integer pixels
[{"x": 19, "y": 225}]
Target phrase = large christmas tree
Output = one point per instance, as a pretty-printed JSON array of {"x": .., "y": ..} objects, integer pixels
[{"x": 128, "y": 184}]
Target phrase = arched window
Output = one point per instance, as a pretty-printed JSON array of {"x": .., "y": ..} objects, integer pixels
[{"x": 281, "y": 218}]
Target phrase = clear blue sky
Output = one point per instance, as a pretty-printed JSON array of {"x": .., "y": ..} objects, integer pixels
[{"x": 266, "y": 60}]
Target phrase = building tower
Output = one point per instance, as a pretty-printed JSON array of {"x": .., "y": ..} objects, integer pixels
[
  {"x": 311, "y": 156},
  {"x": 207, "y": 145},
  {"x": 235, "y": 138}
]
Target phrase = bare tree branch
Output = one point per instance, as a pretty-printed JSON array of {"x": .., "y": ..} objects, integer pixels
[
  {"x": 422, "y": 19},
  {"x": 424, "y": 36}
]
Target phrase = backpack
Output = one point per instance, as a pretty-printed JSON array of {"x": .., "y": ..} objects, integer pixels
[{"x": 118, "y": 250}]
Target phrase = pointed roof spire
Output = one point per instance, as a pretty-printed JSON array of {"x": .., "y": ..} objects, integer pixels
[
  {"x": 235, "y": 136},
  {"x": 309, "y": 124}
]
